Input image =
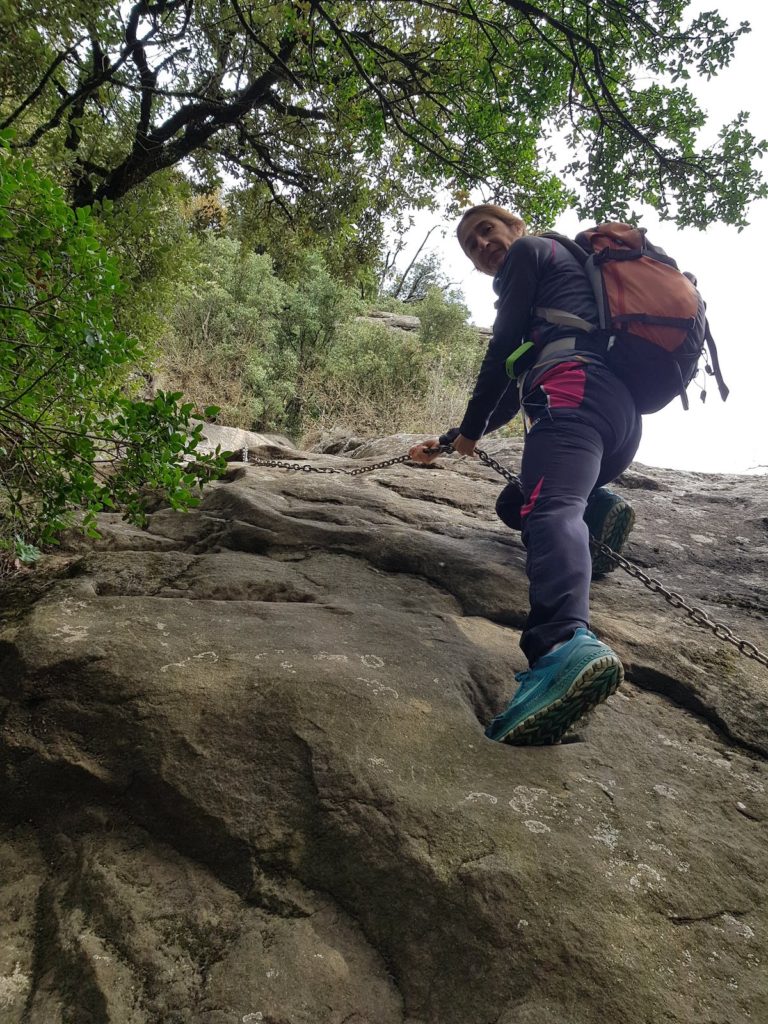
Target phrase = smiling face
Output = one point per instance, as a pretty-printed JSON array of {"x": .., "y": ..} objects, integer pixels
[{"x": 486, "y": 240}]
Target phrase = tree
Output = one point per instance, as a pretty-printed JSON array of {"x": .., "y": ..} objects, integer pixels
[
  {"x": 348, "y": 234},
  {"x": 422, "y": 273},
  {"x": 70, "y": 435},
  {"x": 328, "y": 97}
]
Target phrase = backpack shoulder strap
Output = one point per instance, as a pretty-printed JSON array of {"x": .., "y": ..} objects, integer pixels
[
  {"x": 712, "y": 349},
  {"x": 563, "y": 318},
  {"x": 568, "y": 243},
  {"x": 560, "y": 316}
]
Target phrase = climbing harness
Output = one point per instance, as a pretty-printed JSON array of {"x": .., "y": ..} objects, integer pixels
[{"x": 697, "y": 615}]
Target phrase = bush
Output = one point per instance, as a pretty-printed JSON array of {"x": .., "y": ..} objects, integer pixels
[
  {"x": 220, "y": 344},
  {"x": 70, "y": 438},
  {"x": 296, "y": 358},
  {"x": 371, "y": 377},
  {"x": 317, "y": 314},
  {"x": 240, "y": 337},
  {"x": 449, "y": 339}
]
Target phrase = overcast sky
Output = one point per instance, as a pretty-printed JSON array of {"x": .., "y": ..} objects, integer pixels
[{"x": 732, "y": 270}]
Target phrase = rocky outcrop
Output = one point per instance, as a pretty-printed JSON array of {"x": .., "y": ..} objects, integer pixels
[
  {"x": 406, "y": 323},
  {"x": 234, "y": 439},
  {"x": 244, "y": 777}
]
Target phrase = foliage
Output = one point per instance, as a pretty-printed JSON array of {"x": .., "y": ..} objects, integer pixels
[
  {"x": 318, "y": 307},
  {"x": 221, "y": 335},
  {"x": 446, "y": 335},
  {"x": 341, "y": 101},
  {"x": 238, "y": 332},
  {"x": 151, "y": 234},
  {"x": 373, "y": 378},
  {"x": 382, "y": 380},
  {"x": 64, "y": 414},
  {"x": 298, "y": 357},
  {"x": 345, "y": 230}
]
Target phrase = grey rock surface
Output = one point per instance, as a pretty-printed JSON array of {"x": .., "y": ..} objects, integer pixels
[
  {"x": 402, "y": 322},
  {"x": 234, "y": 439},
  {"x": 243, "y": 776}
]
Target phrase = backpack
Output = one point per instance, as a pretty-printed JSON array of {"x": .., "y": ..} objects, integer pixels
[{"x": 652, "y": 322}]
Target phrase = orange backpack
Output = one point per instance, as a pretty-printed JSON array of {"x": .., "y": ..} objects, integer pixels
[{"x": 651, "y": 316}]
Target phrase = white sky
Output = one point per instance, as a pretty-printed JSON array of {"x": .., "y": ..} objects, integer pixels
[{"x": 730, "y": 267}]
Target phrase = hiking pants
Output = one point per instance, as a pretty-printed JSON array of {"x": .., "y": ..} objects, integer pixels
[{"x": 585, "y": 432}]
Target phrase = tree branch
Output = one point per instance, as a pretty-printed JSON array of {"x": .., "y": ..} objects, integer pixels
[
  {"x": 199, "y": 121},
  {"x": 401, "y": 282},
  {"x": 38, "y": 90}
]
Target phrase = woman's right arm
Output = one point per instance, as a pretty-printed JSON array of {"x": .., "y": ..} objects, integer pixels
[{"x": 517, "y": 286}]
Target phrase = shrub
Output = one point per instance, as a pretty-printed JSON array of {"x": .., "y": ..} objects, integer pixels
[
  {"x": 240, "y": 337},
  {"x": 294, "y": 357},
  {"x": 317, "y": 314},
  {"x": 220, "y": 344},
  {"x": 372, "y": 375},
  {"x": 70, "y": 438},
  {"x": 451, "y": 342}
]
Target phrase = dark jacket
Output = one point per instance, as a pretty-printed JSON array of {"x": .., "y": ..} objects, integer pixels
[{"x": 537, "y": 272}]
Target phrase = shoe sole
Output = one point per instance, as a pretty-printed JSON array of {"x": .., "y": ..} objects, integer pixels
[
  {"x": 616, "y": 528},
  {"x": 591, "y": 687}
]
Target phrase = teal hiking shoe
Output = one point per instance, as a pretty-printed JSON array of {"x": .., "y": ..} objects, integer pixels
[
  {"x": 559, "y": 688},
  {"x": 610, "y": 519}
]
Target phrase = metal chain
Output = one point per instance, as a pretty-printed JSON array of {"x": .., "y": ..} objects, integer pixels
[
  {"x": 502, "y": 470},
  {"x": 698, "y": 615},
  {"x": 304, "y": 467}
]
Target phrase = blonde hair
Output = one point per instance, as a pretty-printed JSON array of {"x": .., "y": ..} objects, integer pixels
[{"x": 505, "y": 216}]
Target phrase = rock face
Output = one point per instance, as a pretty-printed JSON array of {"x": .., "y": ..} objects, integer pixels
[
  {"x": 244, "y": 777},
  {"x": 399, "y": 322}
]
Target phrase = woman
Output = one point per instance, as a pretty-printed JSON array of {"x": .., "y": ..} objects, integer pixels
[{"x": 582, "y": 431}]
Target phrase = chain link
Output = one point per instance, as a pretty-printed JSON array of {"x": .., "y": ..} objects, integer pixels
[{"x": 698, "y": 615}]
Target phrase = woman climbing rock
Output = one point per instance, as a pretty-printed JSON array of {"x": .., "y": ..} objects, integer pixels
[{"x": 582, "y": 431}]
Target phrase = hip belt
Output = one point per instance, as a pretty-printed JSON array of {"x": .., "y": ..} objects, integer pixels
[{"x": 557, "y": 351}]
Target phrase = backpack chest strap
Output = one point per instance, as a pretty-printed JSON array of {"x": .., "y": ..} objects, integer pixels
[{"x": 563, "y": 318}]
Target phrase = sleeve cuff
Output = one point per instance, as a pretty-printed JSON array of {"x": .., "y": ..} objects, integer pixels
[{"x": 449, "y": 436}]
